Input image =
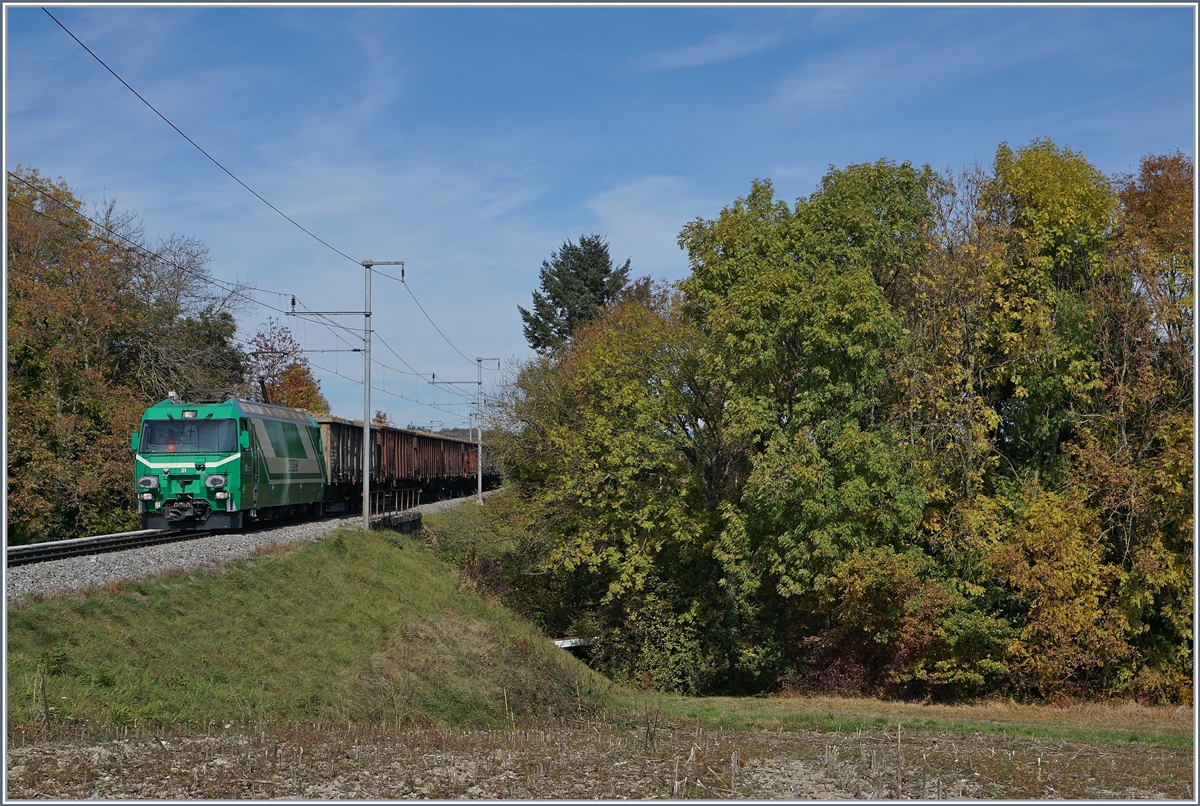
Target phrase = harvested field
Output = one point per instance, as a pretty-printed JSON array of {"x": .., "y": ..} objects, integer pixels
[{"x": 614, "y": 757}]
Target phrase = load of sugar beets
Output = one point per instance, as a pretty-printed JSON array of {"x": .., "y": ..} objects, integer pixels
[{"x": 222, "y": 464}]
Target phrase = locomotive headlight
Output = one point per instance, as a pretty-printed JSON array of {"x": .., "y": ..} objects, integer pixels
[
  {"x": 148, "y": 483},
  {"x": 221, "y": 495},
  {"x": 214, "y": 481}
]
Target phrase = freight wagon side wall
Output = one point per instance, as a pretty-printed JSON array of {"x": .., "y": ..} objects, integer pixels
[
  {"x": 394, "y": 457},
  {"x": 343, "y": 451},
  {"x": 399, "y": 459},
  {"x": 428, "y": 466}
]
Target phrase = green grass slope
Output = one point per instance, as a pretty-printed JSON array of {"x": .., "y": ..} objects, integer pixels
[{"x": 358, "y": 628}]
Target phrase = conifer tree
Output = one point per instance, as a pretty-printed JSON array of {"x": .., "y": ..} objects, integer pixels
[{"x": 576, "y": 282}]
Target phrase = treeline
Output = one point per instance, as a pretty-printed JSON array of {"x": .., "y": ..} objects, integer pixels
[
  {"x": 919, "y": 435},
  {"x": 103, "y": 322}
]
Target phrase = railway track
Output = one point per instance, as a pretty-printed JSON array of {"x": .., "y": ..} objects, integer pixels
[
  {"x": 99, "y": 544},
  {"x": 407, "y": 521}
]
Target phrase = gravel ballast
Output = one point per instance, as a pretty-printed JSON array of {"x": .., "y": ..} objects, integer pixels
[{"x": 55, "y": 577}]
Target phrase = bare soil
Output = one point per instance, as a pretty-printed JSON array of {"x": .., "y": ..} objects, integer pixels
[{"x": 602, "y": 759}]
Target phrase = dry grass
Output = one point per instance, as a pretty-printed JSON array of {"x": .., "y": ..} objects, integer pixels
[
  {"x": 114, "y": 588},
  {"x": 274, "y": 549},
  {"x": 609, "y": 756}
]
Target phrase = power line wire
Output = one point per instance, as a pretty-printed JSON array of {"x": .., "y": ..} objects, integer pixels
[
  {"x": 250, "y": 189},
  {"x": 432, "y": 375},
  {"x": 427, "y": 316},
  {"x": 234, "y": 289},
  {"x": 322, "y": 320},
  {"x": 193, "y": 142},
  {"x": 437, "y": 407}
]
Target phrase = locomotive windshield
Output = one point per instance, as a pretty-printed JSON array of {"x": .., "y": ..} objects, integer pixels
[{"x": 189, "y": 436}]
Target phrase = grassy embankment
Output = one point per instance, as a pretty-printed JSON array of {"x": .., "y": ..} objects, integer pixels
[{"x": 356, "y": 629}]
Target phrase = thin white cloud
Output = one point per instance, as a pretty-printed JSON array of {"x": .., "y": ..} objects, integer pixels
[
  {"x": 718, "y": 48},
  {"x": 872, "y": 72},
  {"x": 107, "y": 32},
  {"x": 642, "y": 219},
  {"x": 828, "y": 83},
  {"x": 384, "y": 68}
]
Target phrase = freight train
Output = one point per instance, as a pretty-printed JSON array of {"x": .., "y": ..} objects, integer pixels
[{"x": 222, "y": 465}]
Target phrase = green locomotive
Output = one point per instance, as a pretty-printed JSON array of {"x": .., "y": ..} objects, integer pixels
[{"x": 218, "y": 465}]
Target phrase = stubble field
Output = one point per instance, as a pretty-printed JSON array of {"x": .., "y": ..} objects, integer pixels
[{"x": 621, "y": 754}]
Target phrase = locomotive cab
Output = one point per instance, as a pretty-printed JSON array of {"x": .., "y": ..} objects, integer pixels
[{"x": 220, "y": 465}]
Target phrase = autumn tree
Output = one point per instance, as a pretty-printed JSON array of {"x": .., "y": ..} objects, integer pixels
[
  {"x": 278, "y": 365},
  {"x": 621, "y": 450},
  {"x": 89, "y": 348},
  {"x": 1134, "y": 454},
  {"x": 576, "y": 282},
  {"x": 298, "y": 388},
  {"x": 69, "y": 418}
]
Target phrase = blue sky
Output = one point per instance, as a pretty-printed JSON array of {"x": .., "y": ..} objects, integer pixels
[{"x": 471, "y": 142}]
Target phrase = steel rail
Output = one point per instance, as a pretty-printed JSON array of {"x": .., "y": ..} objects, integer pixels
[
  {"x": 99, "y": 544},
  {"x": 404, "y": 520}
]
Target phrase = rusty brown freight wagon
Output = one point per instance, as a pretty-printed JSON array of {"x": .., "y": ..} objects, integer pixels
[{"x": 404, "y": 464}]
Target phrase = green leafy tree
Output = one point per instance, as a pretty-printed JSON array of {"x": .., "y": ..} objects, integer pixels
[
  {"x": 1051, "y": 212},
  {"x": 806, "y": 334},
  {"x": 621, "y": 447},
  {"x": 576, "y": 282}
]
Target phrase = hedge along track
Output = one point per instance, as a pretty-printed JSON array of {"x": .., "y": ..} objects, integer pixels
[{"x": 99, "y": 544}]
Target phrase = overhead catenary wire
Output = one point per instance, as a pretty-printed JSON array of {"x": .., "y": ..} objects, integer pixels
[
  {"x": 321, "y": 319},
  {"x": 428, "y": 377},
  {"x": 193, "y": 142},
  {"x": 427, "y": 316},
  {"x": 359, "y": 380},
  {"x": 437, "y": 406},
  {"x": 374, "y": 361},
  {"x": 413, "y": 371},
  {"x": 260, "y": 198},
  {"x": 432, "y": 375}
]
